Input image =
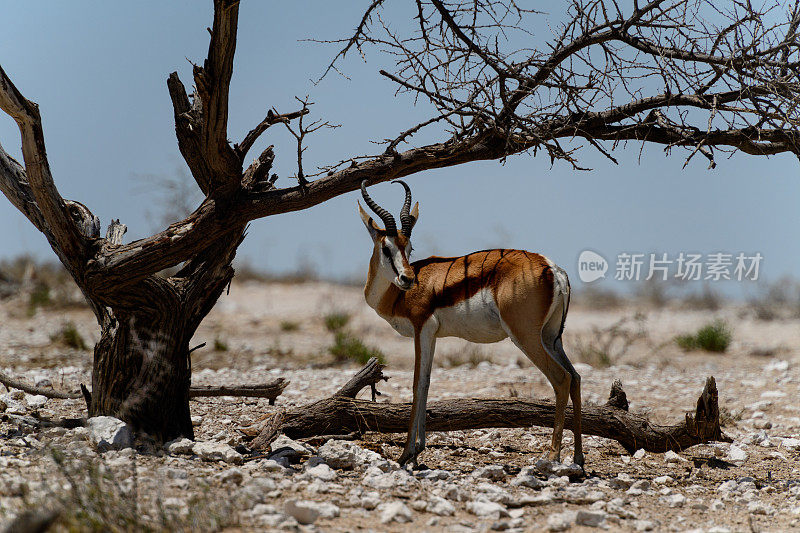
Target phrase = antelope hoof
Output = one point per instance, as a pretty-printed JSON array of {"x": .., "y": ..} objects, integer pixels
[
  {"x": 579, "y": 460},
  {"x": 407, "y": 456}
]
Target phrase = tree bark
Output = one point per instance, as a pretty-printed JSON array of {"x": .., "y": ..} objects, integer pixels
[
  {"x": 341, "y": 414},
  {"x": 141, "y": 373}
]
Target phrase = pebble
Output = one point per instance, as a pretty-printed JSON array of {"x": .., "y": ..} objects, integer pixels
[
  {"x": 526, "y": 478},
  {"x": 736, "y": 454},
  {"x": 561, "y": 521},
  {"x": 493, "y": 472},
  {"x": 760, "y": 508},
  {"x": 109, "y": 433},
  {"x": 217, "y": 451},
  {"x": 322, "y": 471},
  {"x": 181, "y": 446},
  {"x": 36, "y": 402},
  {"x": 304, "y": 511},
  {"x": 558, "y": 469},
  {"x": 639, "y": 454},
  {"x": 433, "y": 475},
  {"x": 441, "y": 507},
  {"x": 487, "y": 509},
  {"x": 644, "y": 525},
  {"x": 232, "y": 475},
  {"x": 395, "y": 511},
  {"x": 676, "y": 500},
  {"x": 672, "y": 457},
  {"x": 590, "y": 518}
]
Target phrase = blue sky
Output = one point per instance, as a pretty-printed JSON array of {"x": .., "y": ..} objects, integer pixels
[{"x": 98, "y": 71}]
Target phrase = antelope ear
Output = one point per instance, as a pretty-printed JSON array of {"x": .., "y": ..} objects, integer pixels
[
  {"x": 415, "y": 214},
  {"x": 373, "y": 228}
]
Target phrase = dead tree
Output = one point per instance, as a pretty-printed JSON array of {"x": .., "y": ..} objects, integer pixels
[
  {"x": 674, "y": 73},
  {"x": 343, "y": 414}
]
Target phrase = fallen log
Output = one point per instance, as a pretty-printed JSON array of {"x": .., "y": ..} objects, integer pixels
[
  {"x": 269, "y": 390},
  {"x": 341, "y": 414}
]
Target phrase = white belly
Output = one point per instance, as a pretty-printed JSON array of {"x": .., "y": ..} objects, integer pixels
[{"x": 476, "y": 319}]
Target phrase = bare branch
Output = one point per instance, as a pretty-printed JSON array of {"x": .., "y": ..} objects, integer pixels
[
  {"x": 67, "y": 240},
  {"x": 272, "y": 118}
]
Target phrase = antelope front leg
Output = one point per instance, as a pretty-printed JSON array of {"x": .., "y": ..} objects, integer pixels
[{"x": 424, "y": 346}]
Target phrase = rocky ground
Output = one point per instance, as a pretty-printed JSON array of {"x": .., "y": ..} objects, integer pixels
[{"x": 475, "y": 480}]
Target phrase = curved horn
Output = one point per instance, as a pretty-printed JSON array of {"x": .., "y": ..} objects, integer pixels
[
  {"x": 386, "y": 216},
  {"x": 406, "y": 222}
]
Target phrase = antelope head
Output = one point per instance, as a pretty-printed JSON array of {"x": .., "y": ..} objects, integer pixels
[{"x": 391, "y": 248}]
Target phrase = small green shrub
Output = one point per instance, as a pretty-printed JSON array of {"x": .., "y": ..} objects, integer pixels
[
  {"x": 348, "y": 347},
  {"x": 470, "y": 356},
  {"x": 288, "y": 325},
  {"x": 336, "y": 321},
  {"x": 39, "y": 297},
  {"x": 220, "y": 345},
  {"x": 69, "y": 335},
  {"x": 714, "y": 337}
]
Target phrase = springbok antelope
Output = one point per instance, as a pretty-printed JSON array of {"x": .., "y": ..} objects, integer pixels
[{"x": 481, "y": 297}]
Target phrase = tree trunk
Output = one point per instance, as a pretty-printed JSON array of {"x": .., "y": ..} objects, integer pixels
[
  {"x": 142, "y": 374},
  {"x": 142, "y": 364}
]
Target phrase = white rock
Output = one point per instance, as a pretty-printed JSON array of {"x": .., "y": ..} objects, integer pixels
[
  {"x": 433, "y": 475},
  {"x": 322, "y": 471},
  {"x": 672, "y": 457},
  {"x": 395, "y": 511},
  {"x": 348, "y": 455},
  {"x": 526, "y": 478},
  {"x": 760, "y": 508},
  {"x": 618, "y": 507},
  {"x": 590, "y": 518},
  {"x": 36, "y": 402},
  {"x": 773, "y": 394},
  {"x": 676, "y": 500},
  {"x": 493, "y": 493},
  {"x": 377, "y": 479},
  {"x": 543, "y": 498},
  {"x": 493, "y": 472},
  {"x": 663, "y": 480},
  {"x": 487, "y": 509},
  {"x": 644, "y": 525},
  {"x": 231, "y": 475},
  {"x": 180, "y": 446},
  {"x": 109, "y": 433},
  {"x": 640, "y": 453},
  {"x": 304, "y": 511},
  {"x": 790, "y": 444},
  {"x": 440, "y": 506},
  {"x": 558, "y": 469},
  {"x": 197, "y": 420},
  {"x": 623, "y": 481},
  {"x": 778, "y": 366},
  {"x": 561, "y": 521},
  {"x": 285, "y": 442},
  {"x": 217, "y": 451},
  {"x": 736, "y": 454}
]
